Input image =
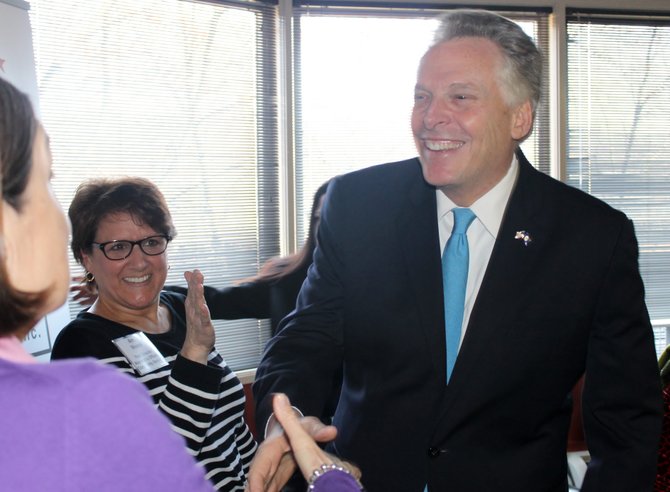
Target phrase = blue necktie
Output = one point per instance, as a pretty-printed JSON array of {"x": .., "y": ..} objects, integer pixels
[{"x": 455, "y": 278}]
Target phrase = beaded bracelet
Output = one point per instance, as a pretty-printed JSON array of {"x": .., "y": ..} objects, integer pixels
[{"x": 325, "y": 469}]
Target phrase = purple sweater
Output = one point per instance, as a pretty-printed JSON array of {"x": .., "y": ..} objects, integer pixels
[
  {"x": 78, "y": 425},
  {"x": 335, "y": 481}
]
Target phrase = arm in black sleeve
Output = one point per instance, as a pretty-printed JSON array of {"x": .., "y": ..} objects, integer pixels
[
  {"x": 247, "y": 300},
  {"x": 621, "y": 402},
  {"x": 304, "y": 357}
]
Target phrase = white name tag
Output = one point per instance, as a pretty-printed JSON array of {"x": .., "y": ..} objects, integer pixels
[{"x": 140, "y": 352}]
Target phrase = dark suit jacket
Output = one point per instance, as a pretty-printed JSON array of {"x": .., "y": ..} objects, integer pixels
[{"x": 570, "y": 301}]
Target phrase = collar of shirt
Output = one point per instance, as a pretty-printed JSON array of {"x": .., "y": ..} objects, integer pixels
[
  {"x": 482, "y": 234},
  {"x": 12, "y": 350},
  {"x": 489, "y": 208}
]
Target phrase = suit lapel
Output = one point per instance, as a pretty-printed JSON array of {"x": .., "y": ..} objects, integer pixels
[
  {"x": 511, "y": 262},
  {"x": 418, "y": 235}
]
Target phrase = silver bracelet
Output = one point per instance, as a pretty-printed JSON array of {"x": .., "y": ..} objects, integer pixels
[{"x": 321, "y": 470}]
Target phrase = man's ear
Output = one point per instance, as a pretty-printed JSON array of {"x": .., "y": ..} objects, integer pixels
[{"x": 522, "y": 120}]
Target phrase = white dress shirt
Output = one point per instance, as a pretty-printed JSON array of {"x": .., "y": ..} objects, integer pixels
[{"x": 482, "y": 233}]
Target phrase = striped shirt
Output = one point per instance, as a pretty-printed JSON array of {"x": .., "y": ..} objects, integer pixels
[{"x": 205, "y": 404}]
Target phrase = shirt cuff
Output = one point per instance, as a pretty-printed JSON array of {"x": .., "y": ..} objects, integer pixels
[{"x": 272, "y": 422}]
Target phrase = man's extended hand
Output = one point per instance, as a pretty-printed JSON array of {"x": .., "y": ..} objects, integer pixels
[{"x": 274, "y": 462}]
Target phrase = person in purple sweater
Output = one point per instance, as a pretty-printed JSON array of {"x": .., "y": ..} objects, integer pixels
[{"x": 70, "y": 425}]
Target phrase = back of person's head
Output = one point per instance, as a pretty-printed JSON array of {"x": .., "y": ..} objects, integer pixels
[
  {"x": 521, "y": 73},
  {"x": 98, "y": 198},
  {"x": 315, "y": 214},
  {"x": 17, "y": 133}
]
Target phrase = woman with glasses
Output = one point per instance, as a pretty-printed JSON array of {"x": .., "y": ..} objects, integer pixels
[
  {"x": 271, "y": 293},
  {"x": 121, "y": 229}
]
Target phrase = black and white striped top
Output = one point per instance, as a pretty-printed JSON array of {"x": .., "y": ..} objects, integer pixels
[{"x": 204, "y": 403}]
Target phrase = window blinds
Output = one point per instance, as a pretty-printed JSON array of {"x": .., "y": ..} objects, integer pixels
[
  {"x": 619, "y": 129},
  {"x": 184, "y": 94}
]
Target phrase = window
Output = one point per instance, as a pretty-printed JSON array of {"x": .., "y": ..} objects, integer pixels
[
  {"x": 184, "y": 94},
  {"x": 618, "y": 127},
  {"x": 354, "y": 92}
]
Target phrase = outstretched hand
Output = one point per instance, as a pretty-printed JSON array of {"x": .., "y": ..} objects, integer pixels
[
  {"x": 306, "y": 451},
  {"x": 200, "y": 336},
  {"x": 294, "y": 441}
]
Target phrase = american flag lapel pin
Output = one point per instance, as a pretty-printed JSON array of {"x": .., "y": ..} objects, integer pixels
[{"x": 523, "y": 236}]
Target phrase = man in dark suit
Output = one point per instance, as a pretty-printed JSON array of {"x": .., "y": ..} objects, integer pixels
[{"x": 553, "y": 291}]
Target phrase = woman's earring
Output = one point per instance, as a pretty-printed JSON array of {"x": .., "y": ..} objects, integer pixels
[{"x": 89, "y": 277}]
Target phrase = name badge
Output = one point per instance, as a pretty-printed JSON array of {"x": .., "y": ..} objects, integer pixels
[{"x": 143, "y": 355}]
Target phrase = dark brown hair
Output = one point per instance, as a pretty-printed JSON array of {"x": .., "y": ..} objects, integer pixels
[
  {"x": 97, "y": 198},
  {"x": 17, "y": 134}
]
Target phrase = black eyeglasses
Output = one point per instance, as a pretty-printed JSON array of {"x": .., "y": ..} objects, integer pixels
[{"x": 120, "y": 250}]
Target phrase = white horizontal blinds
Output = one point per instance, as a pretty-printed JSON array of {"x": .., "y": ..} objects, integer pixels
[
  {"x": 537, "y": 148},
  {"x": 355, "y": 71},
  {"x": 182, "y": 93},
  {"x": 619, "y": 130}
]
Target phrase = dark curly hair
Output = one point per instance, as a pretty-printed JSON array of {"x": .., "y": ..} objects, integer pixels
[{"x": 98, "y": 198}]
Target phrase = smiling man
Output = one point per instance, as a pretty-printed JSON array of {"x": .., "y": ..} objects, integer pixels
[
  {"x": 465, "y": 126},
  {"x": 464, "y": 293}
]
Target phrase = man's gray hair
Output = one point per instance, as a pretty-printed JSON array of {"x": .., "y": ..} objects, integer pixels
[{"x": 521, "y": 73}]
